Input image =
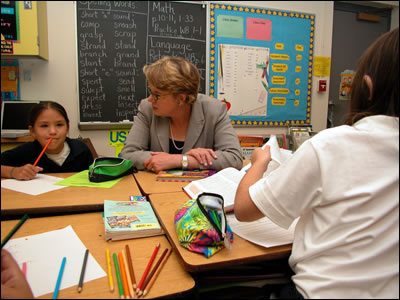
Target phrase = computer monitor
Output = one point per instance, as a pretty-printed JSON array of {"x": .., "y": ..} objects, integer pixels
[{"x": 14, "y": 118}]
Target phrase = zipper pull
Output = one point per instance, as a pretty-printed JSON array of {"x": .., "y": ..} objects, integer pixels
[{"x": 227, "y": 242}]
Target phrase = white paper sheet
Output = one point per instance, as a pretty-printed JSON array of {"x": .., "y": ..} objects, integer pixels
[
  {"x": 44, "y": 253},
  {"x": 226, "y": 181},
  {"x": 38, "y": 185},
  {"x": 262, "y": 232},
  {"x": 278, "y": 155}
]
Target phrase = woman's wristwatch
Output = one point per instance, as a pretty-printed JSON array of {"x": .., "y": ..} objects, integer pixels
[{"x": 185, "y": 162}]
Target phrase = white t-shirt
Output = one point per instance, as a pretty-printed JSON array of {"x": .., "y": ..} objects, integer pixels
[
  {"x": 344, "y": 185},
  {"x": 59, "y": 158}
]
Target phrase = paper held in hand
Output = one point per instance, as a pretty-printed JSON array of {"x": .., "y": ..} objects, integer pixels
[{"x": 226, "y": 181}]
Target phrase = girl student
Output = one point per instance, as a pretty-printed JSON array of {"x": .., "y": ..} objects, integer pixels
[
  {"x": 47, "y": 120},
  {"x": 343, "y": 185}
]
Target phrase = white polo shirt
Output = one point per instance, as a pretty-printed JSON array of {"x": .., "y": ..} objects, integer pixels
[{"x": 344, "y": 185}]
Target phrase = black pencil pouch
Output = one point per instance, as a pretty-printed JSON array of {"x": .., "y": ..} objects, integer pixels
[{"x": 109, "y": 168}]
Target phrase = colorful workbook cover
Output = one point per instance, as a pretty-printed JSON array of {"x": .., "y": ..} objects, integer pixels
[
  {"x": 182, "y": 175},
  {"x": 129, "y": 219}
]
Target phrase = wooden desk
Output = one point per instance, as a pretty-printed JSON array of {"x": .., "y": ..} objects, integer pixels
[
  {"x": 66, "y": 200},
  {"x": 148, "y": 184},
  {"x": 8, "y": 143},
  {"x": 242, "y": 252},
  {"x": 90, "y": 229}
]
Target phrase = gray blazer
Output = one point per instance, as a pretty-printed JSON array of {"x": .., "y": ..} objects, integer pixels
[{"x": 209, "y": 127}]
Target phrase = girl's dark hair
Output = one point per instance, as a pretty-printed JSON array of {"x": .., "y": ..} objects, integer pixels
[
  {"x": 38, "y": 108},
  {"x": 381, "y": 62}
]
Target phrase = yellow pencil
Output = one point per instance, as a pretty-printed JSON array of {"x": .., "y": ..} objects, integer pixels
[{"x": 110, "y": 278}]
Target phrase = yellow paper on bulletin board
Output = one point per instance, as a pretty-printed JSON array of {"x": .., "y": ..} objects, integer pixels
[{"x": 322, "y": 66}]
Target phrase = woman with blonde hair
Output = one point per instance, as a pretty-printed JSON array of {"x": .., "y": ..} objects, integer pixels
[{"x": 178, "y": 128}]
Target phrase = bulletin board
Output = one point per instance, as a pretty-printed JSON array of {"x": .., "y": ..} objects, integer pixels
[{"x": 261, "y": 63}]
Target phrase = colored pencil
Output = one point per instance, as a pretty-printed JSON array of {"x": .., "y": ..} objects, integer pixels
[
  {"x": 24, "y": 268},
  {"x": 128, "y": 276},
  {"x": 14, "y": 230},
  {"x": 110, "y": 278},
  {"x": 80, "y": 284},
  {"x": 153, "y": 271},
  {"x": 150, "y": 284},
  {"x": 123, "y": 275},
  {"x": 215, "y": 217},
  {"x": 128, "y": 256},
  {"x": 41, "y": 153},
  {"x": 118, "y": 274},
  {"x": 60, "y": 274},
  {"x": 139, "y": 287}
]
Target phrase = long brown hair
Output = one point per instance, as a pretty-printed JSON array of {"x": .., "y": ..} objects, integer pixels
[{"x": 381, "y": 62}]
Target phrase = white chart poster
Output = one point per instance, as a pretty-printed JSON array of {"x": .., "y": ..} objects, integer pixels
[{"x": 243, "y": 79}]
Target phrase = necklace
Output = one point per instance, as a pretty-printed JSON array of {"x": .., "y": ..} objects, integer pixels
[{"x": 172, "y": 137}]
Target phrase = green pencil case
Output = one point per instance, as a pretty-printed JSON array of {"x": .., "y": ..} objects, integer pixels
[{"x": 109, "y": 168}]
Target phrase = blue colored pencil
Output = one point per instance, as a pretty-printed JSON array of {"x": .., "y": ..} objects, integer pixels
[{"x": 55, "y": 294}]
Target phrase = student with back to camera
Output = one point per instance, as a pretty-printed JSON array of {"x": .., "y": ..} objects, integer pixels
[
  {"x": 343, "y": 184},
  {"x": 176, "y": 127},
  {"x": 47, "y": 120}
]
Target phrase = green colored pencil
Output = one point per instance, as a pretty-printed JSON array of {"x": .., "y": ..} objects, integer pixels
[
  {"x": 14, "y": 230},
  {"x": 118, "y": 273},
  {"x": 216, "y": 218}
]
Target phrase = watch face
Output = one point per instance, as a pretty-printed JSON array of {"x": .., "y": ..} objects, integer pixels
[{"x": 185, "y": 162}]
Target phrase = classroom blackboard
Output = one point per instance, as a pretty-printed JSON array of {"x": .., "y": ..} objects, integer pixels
[{"x": 115, "y": 39}]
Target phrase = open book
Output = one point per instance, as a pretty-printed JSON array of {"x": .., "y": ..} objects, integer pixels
[{"x": 226, "y": 181}]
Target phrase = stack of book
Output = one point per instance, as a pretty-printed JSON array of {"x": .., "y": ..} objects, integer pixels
[
  {"x": 250, "y": 142},
  {"x": 180, "y": 175},
  {"x": 129, "y": 219},
  {"x": 299, "y": 135}
]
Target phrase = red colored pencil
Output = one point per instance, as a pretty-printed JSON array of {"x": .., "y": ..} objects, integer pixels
[
  {"x": 41, "y": 153},
  {"x": 139, "y": 287},
  {"x": 148, "y": 278}
]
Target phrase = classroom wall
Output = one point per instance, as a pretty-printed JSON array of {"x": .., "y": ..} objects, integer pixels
[
  {"x": 394, "y": 22},
  {"x": 56, "y": 79}
]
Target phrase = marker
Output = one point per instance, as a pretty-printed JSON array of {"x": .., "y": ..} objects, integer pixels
[{"x": 265, "y": 86}]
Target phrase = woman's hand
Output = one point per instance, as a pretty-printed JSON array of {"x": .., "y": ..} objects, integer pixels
[
  {"x": 203, "y": 156},
  {"x": 13, "y": 281},
  {"x": 26, "y": 172},
  {"x": 163, "y": 161}
]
